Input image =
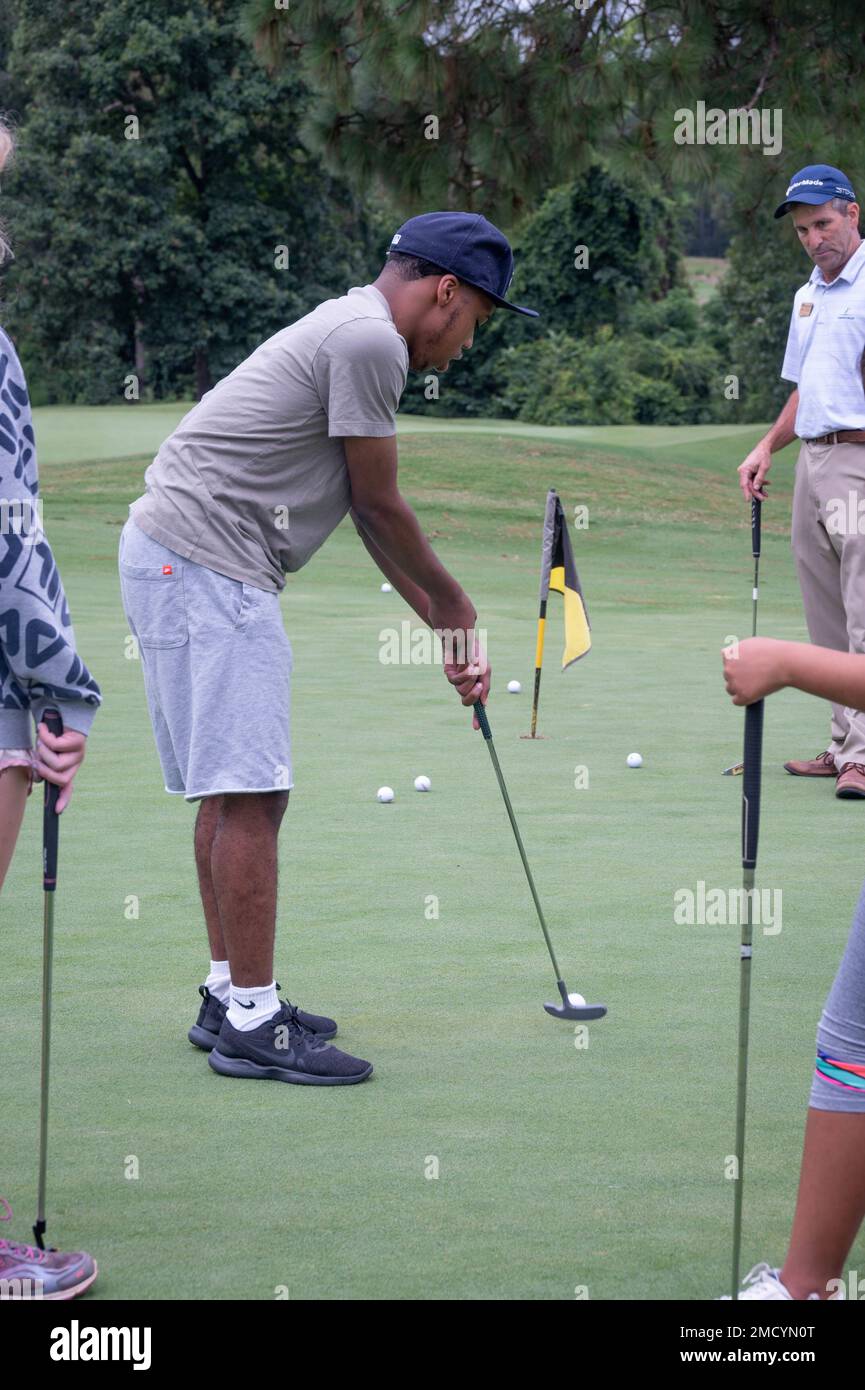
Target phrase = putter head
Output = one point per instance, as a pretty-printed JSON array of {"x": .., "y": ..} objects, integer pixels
[{"x": 577, "y": 1011}]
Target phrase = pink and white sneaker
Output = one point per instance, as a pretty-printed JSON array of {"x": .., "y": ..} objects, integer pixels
[{"x": 26, "y": 1272}]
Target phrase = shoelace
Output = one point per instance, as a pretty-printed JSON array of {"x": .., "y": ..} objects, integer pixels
[
  {"x": 27, "y": 1252},
  {"x": 289, "y": 1010},
  {"x": 12, "y": 1247},
  {"x": 760, "y": 1273},
  {"x": 289, "y": 1014},
  {"x": 857, "y": 767}
]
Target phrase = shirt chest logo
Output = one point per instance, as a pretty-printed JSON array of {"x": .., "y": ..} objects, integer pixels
[{"x": 805, "y": 310}]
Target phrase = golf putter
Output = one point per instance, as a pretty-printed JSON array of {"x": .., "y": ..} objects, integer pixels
[
  {"x": 50, "y": 837},
  {"x": 756, "y": 506},
  {"x": 750, "y": 835},
  {"x": 580, "y": 1012}
]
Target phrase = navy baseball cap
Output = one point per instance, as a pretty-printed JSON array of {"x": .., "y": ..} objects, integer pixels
[
  {"x": 816, "y": 183},
  {"x": 468, "y": 246}
]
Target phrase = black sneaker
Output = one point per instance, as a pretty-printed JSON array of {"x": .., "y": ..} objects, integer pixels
[
  {"x": 205, "y": 1030},
  {"x": 284, "y": 1049}
]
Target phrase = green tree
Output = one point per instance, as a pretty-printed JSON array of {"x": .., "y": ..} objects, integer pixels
[
  {"x": 749, "y": 318},
  {"x": 159, "y": 171},
  {"x": 527, "y": 95},
  {"x": 631, "y": 235},
  {"x": 465, "y": 104},
  {"x": 660, "y": 369}
]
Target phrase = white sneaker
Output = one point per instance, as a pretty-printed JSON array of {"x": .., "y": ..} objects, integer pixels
[{"x": 765, "y": 1283}]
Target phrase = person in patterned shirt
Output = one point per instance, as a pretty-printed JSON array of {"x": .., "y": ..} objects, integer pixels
[{"x": 39, "y": 667}]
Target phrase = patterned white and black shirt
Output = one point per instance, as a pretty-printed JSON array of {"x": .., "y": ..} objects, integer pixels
[{"x": 39, "y": 665}]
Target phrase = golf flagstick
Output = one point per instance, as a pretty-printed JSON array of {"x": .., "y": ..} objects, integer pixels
[
  {"x": 756, "y": 508},
  {"x": 50, "y": 837},
  {"x": 750, "y": 834},
  {"x": 539, "y": 663},
  {"x": 566, "y": 1009},
  {"x": 550, "y": 518},
  {"x": 559, "y": 576}
]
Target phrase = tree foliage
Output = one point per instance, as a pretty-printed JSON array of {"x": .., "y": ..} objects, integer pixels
[
  {"x": 320, "y": 126},
  {"x": 159, "y": 171},
  {"x": 527, "y": 95},
  {"x": 631, "y": 237}
]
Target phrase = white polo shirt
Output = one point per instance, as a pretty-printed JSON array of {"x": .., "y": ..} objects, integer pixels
[{"x": 824, "y": 350}]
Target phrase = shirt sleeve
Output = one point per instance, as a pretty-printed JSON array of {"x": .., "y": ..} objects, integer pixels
[
  {"x": 790, "y": 368},
  {"x": 360, "y": 373},
  {"x": 39, "y": 665}
]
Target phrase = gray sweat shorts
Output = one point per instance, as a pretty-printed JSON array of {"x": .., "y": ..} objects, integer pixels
[{"x": 217, "y": 671}]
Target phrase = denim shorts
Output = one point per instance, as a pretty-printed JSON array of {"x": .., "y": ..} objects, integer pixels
[{"x": 217, "y": 668}]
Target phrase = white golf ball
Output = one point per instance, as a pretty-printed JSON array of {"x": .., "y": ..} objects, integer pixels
[
  {"x": 386, "y": 588},
  {"x": 385, "y": 793},
  {"x": 422, "y": 784},
  {"x": 634, "y": 760},
  {"x": 576, "y": 999},
  {"x": 514, "y": 687}
]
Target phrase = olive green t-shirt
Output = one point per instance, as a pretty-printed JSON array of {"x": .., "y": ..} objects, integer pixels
[{"x": 254, "y": 478}]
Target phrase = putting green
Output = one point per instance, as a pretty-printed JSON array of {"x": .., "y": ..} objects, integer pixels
[{"x": 560, "y": 1168}]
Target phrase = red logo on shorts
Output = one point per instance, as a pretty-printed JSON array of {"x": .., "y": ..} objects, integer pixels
[{"x": 166, "y": 569}]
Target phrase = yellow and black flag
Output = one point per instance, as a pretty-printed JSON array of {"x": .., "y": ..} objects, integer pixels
[{"x": 559, "y": 573}]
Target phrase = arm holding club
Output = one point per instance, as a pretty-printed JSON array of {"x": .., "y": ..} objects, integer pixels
[
  {"x": 753, "y": 473},
  {"x": 413, "y": 594},
  {"x": 762, "y": 665},
  {"x": 389, "y": 526},
  {"x": 59, "y": 754}
]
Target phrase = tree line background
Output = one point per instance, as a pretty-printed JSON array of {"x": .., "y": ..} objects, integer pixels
[{"x": 308, "y": 127}]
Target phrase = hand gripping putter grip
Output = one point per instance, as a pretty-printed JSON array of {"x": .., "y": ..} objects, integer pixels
[
  {"x": 756, "y": 512},
  {"x": 566, "y": 1009}
]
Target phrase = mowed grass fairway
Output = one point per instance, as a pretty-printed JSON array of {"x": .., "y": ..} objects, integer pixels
[{"x": 559, "y": 1168}]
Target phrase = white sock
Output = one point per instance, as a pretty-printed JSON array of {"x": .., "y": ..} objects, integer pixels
[
  {"x": 248, "y": 1008},
  {"x": 219, "y": 980}
]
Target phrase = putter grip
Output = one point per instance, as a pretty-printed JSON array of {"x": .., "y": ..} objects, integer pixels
[
  {"x": 751, "y": 783},
  {"x": 50, "y": 819},
  {"x": 481, "y": 714},
  {"x": 756, "y": 511}
]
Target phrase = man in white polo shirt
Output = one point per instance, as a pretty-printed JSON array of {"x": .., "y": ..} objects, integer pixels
[{"x": 827, "y": 412}]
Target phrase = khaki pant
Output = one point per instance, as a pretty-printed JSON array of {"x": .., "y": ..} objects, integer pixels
[{"x": 828, "y": 536}]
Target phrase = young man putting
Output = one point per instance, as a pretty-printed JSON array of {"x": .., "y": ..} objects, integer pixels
[{"x": 251, "y": 483}]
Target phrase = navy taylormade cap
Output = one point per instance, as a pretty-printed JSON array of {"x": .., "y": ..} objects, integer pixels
[
  {"x": 816, "y": 183},
  {"x": 468, "y": 246}
]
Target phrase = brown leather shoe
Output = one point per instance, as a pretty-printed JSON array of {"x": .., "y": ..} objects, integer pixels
[
  {"x": 821, "y": 766},
  {"x": 851, "y": 781}
]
